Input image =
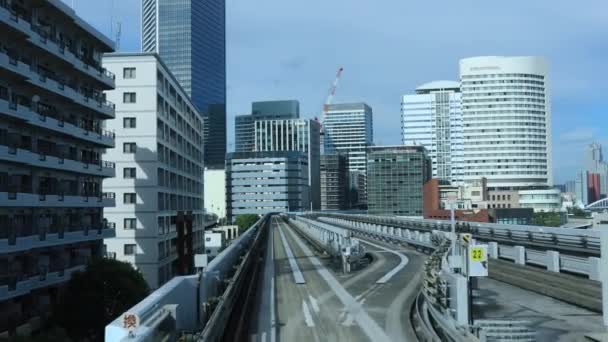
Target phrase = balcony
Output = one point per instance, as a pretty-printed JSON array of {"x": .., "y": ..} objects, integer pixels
[
  {"x": 50, "y": 82},
  {"x": 39, "y": 36},
  {"x": 11, "y": 18},
  {"x": 30, "y": 200},
  {"x": 19, "y": 237},
  {"x": 22, "y": 156},
  {"x": 22, "y": 284},
  {"x": 45, "y": 117}
]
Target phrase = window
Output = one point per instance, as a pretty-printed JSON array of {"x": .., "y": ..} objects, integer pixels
[
  {"x": 129, "y": 198},
  {"x": 128, "y": 172},
  {"x": 129, "y": 98},
  {"x": 129, "y": 147},
  {"x": 129, "y": 122},
  {"x": 128, "y": 73},
  {"x": 130, "y": 249},
  {"x": 130, "y": 223}
]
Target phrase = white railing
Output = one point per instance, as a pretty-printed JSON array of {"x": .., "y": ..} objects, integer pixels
[{"x": 539, "y": 255}]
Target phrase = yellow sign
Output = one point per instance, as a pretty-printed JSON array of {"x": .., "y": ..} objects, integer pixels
[
  {"x": 465, "y": 238},
  {"x": 477, "y": 254}
]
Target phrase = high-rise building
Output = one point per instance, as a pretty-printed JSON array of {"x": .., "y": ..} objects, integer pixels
[
  {"x": 395, "y": 179},
  {"x": 432, "y": 118},
  {"x": 159, "y": 155},
  {"x": 243, "y": 133},
  {"x": 293, "y": 135},
  {"x": 265, "y": 182},
  {"x": 506, "y": 118},
  {"x": 190, "y": 37},
  {"x": 348, "y": 129},
  {"x": 263, "y": 110},
  {"x": 582, "y": 188},
  {"x": 276, "y": 126},
  {"x": 595, "y": 164},
  {"x": 52, "y": 114},
  {"x": 334, "y": 182}
]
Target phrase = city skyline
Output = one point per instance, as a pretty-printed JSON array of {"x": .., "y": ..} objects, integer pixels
[{"x": 285, "y": 65}]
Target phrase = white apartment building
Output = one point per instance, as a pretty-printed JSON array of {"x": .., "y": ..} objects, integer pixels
[
  {"x": 159, "y": 158},
  {"x": 506, "y": 117},
  {"x": 432, "y": 118},
  {"x": 52, "y": 110}
]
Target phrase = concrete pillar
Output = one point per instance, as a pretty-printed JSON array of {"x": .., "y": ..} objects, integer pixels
[
  {"x": 553, "y": 261},
  {"x": 595, "y": 268},
  {"x": 520, "y": 255},
  {"x": 417, "y": 235},
  {"x": 493, "y": 250}
]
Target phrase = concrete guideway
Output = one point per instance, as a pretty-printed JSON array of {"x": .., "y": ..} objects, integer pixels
[
  {"x": 331, "y": 305},
  {"x": 371, "y": 328},
  {"x": 297, "y": 274},
  {"x": 402, "y": 263}
]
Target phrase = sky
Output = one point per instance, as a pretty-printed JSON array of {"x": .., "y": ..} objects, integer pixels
[{"x": 286, "y": 49}]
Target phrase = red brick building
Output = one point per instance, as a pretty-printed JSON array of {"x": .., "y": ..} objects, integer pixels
[{"x": 432, "y": 206}]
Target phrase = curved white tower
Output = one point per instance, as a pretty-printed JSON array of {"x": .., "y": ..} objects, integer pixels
[{"x": 506, "y": 121}]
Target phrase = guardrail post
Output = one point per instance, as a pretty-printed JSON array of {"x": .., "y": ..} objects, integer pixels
[
  {"x": 520, "y": 255},
  {"x": 493, "y": 249},
  {"x": 594, "y": 268},
  {"x": 553, "y": 261}
]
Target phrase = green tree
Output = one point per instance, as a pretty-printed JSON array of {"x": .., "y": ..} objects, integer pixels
[
  {"x": 549, "y": 219},
  {"x": 245, "y": 221},
  {"x": 95, "y": 297}
]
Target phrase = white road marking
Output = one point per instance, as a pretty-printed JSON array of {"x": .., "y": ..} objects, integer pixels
[
  {"x": 404, "y": 261},
  {"x": 307, "y": 316},
  {"x": 314, "y": 304},
  {"x": 371, "y": 329},
  {"x": 295, "y": 269}
]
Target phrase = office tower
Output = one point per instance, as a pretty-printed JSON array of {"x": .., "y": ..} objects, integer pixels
[
  {"x": 283, "y": 109},
  {"x": 348, "y": 129},
  {"x": 432, "y": 118},
  {"x": 582, "y": 188},
  {"x": 334, "y": 182},
  {"x": 395, "y": 179},
  {"x": 264, "y": 182},
  {"x": 293, "y": 135},
  {"x": 190, "y": 37},
  {"x": 506, "y": 118},
  {"x": 243, "y": 133},
  {"x": 52, "y": 110},
  {"x": 276, "y": 126},
  {"x": 594, "y": 161},
  {"x": 263, "y": 110},
  {"x": 159, "y": 156},
  {"x": 570, "y": 187},
  {"x": 594, "y": 157}
]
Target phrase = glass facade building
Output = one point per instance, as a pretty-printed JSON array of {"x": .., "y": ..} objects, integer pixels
[
  {"x": 395, "y": 179},
  {"x": 190, "y": 37}
]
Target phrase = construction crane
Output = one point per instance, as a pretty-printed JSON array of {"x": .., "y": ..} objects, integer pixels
[{"x": 332, "y": 91}]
